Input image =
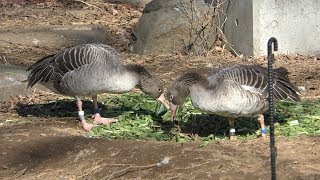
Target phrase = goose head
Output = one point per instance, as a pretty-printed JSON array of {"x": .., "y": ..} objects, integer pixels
[
  {"x": 177, "y": 94},
  {"x": 152, "y": 86},
  {"x": 179, "y": 89},
  {"x": 148, "y": 83}
]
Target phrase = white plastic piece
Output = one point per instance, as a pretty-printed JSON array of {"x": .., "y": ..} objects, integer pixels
[
  {"x": 164, "y": 161},
  {"x": 232, "y": 130},
  {"x": 81, "y": 113},
  {"x": 294, "y": 123}
]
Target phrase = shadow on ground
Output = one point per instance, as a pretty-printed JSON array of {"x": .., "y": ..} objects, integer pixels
[
  {"x": 35, "y": 154},
  {"x": 68, "y": 108},
  {"x": 204, "y": 125},
  {"x": 201, "y": 124}
]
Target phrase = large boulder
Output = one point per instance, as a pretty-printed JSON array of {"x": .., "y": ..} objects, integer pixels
[{"x": 175, "y": 25}]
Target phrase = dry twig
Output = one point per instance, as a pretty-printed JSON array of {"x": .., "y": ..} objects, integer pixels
[
  {"x": 202, "y": 25},
  {"x": 88, "y": 4},
  {"x": 133, "y": 168},
  {"x": 20, "y": 173}
]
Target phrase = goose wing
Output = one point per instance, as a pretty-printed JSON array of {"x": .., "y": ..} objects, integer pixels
[
  {"x": 254, "y": 78},
  {"x": 54, "y": 67}
]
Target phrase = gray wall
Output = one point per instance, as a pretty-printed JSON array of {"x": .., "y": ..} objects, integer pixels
[{"x": 295, "y": 23}]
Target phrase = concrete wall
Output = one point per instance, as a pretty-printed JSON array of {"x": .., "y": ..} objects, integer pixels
[
  {"x": 239, "y": 24},
  {"x": 295, "y": 24}
]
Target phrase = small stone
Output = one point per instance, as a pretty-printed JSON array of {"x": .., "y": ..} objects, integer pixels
[
  {"x": 218, "y": 48},
  {"x": 209, "y": 65},
  {"x": 301, "y": 88},
  {"x": 114, "y": 12}
]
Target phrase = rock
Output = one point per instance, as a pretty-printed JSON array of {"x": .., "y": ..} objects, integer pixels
[
  {"x": 11, "y": 85},
  {"x": 10, "y": 81},
  {"x": 53, "y": 36},
  {"x": 165, "y": 27}
]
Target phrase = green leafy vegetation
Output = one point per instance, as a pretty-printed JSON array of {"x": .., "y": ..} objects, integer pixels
[
  {"x": 137, "y": 119},
  {"x": 307, "y": 114}
]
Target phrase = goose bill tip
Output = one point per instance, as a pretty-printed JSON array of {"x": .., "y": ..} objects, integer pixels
[
  {"x": 162, "y": 99},
  {"x": 173, "y": 111}
]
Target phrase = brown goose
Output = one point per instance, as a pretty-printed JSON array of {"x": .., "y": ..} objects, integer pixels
[
  {"x": 91, "y": 69},
  {"x": 235, "y": 91}
]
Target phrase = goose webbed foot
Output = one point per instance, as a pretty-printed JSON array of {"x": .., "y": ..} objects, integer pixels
[
  {"x": 263, "y": 136},
  {"x": 97, "y": 119},
  {"x": 233, "y": 138},
  {"x": 87, "y": 126}
]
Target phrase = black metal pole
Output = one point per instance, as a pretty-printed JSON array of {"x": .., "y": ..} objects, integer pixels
[{"x": 271, "y": 110}]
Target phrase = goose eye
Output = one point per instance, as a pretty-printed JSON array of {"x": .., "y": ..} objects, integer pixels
[{"x": 159, "y": 90}]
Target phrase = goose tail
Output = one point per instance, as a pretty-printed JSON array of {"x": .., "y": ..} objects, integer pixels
[
  {"x": 40, "y": 71},
  {"x": 283, "y": 88}
]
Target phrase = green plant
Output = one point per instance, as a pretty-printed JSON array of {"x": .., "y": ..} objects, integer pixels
[{"x": 137, "y": 120}]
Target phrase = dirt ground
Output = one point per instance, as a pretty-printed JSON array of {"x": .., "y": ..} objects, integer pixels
[{"x": 57, "y": 148}]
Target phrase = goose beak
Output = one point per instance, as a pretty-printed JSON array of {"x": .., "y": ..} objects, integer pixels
[
  {"x": 163, "y": 100},
  {"x": 173, "y": 111}
]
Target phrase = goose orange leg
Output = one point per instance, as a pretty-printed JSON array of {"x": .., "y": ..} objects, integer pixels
[
  {"x": 86, "y": 126},
  {"x": 232, "y": 129},
  {"x": 263, "y": 129},
  {"x": 96, "y": 116}
]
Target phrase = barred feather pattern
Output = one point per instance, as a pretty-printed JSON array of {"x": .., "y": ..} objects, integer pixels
[
  {"x": 254, "y": 78},
  {"x": 81, "y": 70}
]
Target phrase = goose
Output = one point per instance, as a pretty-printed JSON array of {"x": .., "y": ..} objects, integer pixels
[
  {"x": 88, "y": 70},
  {"x": 232, "y": 92}
]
